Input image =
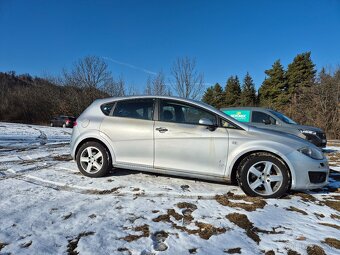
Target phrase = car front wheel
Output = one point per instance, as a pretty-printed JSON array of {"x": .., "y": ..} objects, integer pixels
[
  {"x": 263, "y": 174},
  {"x": 93, "y": 159}
]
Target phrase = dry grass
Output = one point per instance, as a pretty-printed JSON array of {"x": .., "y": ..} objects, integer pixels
[
  {"x": 233, "y": 250},
  {"x": 242, "y": 221},
  {"x": 294, "y": 209},
  {"x": 330, "y": 225},
  {"x": 145, "y": 233},
  {"x": 73, "y": 243},
  {"x": 253, "y": 203},
  {"x": 332, "y": 204},
  {"x": 315, "y": 250},
  {"x": 335, "y": 243}
]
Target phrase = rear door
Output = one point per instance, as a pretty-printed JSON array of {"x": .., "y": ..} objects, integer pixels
[
  {"x": 183, "y": 145},
  {"x": 130, "y": 129}
]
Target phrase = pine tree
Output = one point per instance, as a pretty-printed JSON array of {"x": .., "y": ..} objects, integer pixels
[
  {"x": 248, "y": 93},
  {"x": 214, "y": 96},
  {"x": 232, "y": 91},
  {"x": 273, "y": 91},
  {"x": 300, "y": 76}
]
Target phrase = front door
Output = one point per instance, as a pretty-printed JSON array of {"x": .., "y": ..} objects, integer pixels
[{"x": 183, "y": 145}]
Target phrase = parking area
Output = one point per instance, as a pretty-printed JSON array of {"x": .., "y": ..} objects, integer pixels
[{"x": 48, "y": 207}]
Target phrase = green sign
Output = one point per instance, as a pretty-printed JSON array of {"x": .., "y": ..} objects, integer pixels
[{"x": 240, "y": 115}]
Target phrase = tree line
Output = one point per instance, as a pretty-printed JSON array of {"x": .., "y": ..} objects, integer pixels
[{"x": 300, "y": 92}]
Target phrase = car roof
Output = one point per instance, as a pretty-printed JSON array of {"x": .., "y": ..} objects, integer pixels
[{"x": 247, "y": 108}]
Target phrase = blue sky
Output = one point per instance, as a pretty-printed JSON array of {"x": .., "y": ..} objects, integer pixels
[{"x": 142, "y": 37}]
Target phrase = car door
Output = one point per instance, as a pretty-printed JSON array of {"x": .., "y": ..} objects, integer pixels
[
  {"x": 263, "y": 120},
  {"x": 130, "y": 129},
  {"x": 183, "y": 145}
]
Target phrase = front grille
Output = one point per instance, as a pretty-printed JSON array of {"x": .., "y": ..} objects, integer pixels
[
  {"x": 317, "y": 177},
  {"x": 321, "y": 135}
]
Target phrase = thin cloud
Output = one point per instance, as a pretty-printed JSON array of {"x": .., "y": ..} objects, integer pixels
[{"x": 131, "y": 66}]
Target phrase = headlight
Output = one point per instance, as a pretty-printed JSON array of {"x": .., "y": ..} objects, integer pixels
[
  {"x": 312, "y": 152},
  {"x": 309, "y": 132}
]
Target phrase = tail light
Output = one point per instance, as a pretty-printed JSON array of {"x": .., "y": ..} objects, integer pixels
[
  {"x": 74, "y": 123},
  {"x": 67, "y": 122}
]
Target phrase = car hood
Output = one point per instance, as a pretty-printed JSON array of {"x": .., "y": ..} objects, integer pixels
[
  {"x": 281, "y": 137},
  {"x": 311, "y": 128}
]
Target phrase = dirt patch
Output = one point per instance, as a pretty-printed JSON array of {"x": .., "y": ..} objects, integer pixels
[
  {"x": 123, "y": 249},
  {"x": 73, "y": 243},
  {"x": 145, "y": 233},
  {"x": 333, "y": 204},
  {"x": 233, "y": 250},
  {"x": 204, "y": 230},
  {"x": 304, "y": 196},
  {"x": 186, "y": 205},
  {"x": 62, "y": 158},
  {"x": 333, "y": 242},
  {"x": 271, "y": 252},
  {"x": 315, "y": 250},
  {"x": 242, "y": 221},
  {"x": 292, "y": 252},
  {"x": 193, "y": 251},
  {"x": 250, "y": 203},
  {"x": 334, "y": 216},
  {"x": 2, "y": 245},
  {"x": 26, "y": 245},
  {"x": 294, "y": 209},
  {"x": 330, "y": 225},
  {"x": 166, "y": 217},
  {"x": 104, "y": 192}
]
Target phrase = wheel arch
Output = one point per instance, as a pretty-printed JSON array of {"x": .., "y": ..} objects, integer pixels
[
  {"x": 98, "y": 140},
  {"x": 237, "y": 162}
]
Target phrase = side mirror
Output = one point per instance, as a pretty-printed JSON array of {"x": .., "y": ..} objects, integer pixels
[
  {"x": 206, "y": 122},
  {"x": 267, "y": 122}
]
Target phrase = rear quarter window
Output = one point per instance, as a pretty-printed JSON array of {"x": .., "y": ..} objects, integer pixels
[
  {"x": 240, "y": 115},
  {"x": 106, "y": 108}
]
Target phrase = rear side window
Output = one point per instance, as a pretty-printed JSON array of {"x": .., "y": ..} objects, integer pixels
[
  {"x": 106, "y": 108},
  {"x": 261, "y": 117},
  {"x": 136, "y": 109}
]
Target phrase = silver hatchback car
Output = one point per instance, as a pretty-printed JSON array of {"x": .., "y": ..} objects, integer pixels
[{"x": 183, "y": 137}]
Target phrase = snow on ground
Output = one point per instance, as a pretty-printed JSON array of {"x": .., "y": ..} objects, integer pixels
[{"x": 48, "y": 207}]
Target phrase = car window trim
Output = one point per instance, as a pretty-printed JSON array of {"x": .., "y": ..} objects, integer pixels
[
  {"x": 185, "y": 103},
  {"x": 133, "y": 99}
]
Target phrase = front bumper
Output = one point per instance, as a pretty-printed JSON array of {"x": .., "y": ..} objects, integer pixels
[{"x": 307, "y": 173}]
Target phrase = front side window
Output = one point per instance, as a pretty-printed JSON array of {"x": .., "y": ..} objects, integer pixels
[
  {"x": 136, "y": 109},
  {"x": 182, "y": 113},
  {"x": 261, "y": 117}
]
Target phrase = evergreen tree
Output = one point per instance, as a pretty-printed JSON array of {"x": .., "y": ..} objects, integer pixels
[
  {"x": 248, "y": 93},
  {"x": 273, "y": 91},
  {"x": 300, "y": 77},
  {"x": 214, "y": 96},
  {"x": 232, "y": 91}
]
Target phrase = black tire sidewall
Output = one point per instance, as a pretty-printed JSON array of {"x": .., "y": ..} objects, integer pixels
[
  {"x": 253, "y": 159},
  {"x": 106, "y": 160}
]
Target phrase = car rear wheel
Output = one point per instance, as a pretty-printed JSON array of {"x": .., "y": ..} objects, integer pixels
[
  {"x": 263, "y": 174},
  {"x": 93, "y": 159}
]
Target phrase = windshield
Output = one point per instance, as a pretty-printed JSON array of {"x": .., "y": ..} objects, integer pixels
[{"x": 283, "y": 117}]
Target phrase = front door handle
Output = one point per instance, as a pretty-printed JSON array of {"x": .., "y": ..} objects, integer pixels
[{"x": 161, "y": 129}]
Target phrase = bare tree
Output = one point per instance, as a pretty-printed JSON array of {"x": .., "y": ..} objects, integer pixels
[
  {"x": 187, "y": 82},
  {"x": 89, "y": 72},
  {"x": 156, "y": 86},
  {"x": 115, "y": 88}
]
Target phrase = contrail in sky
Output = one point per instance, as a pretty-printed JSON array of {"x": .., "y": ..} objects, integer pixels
[{"x": 131, "y": 66}]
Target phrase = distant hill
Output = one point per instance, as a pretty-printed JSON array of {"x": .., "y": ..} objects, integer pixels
[{"x": 28, "y": 99}]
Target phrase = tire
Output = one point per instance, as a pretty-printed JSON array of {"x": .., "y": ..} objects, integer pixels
[
  {"x": 263, "y": 174},
  {"x": 93, "y": 160}
]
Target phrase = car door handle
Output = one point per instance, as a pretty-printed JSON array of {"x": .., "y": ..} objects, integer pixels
[{"x": 161, "y": 129}]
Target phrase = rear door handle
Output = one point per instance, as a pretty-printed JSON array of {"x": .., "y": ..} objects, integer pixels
[{"x": 161, "y": 129}]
